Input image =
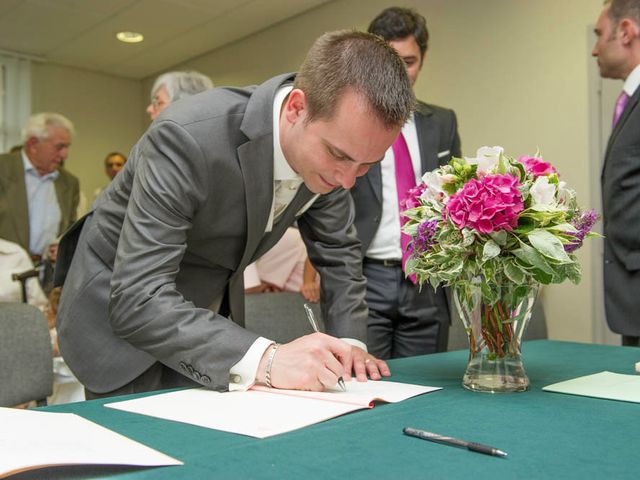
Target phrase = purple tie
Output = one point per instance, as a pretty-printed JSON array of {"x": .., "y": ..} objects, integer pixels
[
  {"x": 405, "y": 180},
  {"x": 622, "y": 101}
]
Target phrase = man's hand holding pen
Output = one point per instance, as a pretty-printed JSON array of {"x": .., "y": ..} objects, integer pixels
[{"x": 316, "y": 362}]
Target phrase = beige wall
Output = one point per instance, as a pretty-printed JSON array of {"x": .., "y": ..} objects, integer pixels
[
  {"x": 104, "y": 109},
  {"x": 515, "y": 71}
]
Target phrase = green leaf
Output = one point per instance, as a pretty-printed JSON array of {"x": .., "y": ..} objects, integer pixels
[
  {"x": 503, "y": 164},
  {"x": 531, "y": 256},
  {"x": 467, "y": 237},
  {"x": 490, "y": 250},
  {"x": 500, "y": 237},
  {"x": 549, "y": 245},
  {"x": 563, "y": 227},
  {"x": 513, "y": 273}
]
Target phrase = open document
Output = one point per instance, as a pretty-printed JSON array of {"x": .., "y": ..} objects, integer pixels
[
  {"x": 32, "y": 439},
  {"x": 261, "y": 411},
  {"x": 612, "y": 386}
]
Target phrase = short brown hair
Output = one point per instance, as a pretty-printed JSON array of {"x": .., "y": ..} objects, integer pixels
[
  {"x": 396, "y": 23},
  {"x": 358, "y": 61},
  {"x": 619, "y": 9}
]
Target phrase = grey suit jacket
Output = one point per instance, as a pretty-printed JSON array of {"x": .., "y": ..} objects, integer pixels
[
  {"x": 173, "y": 233},
  {"x": 621, "y": 216},
  {"x": 14, "y": 206}
]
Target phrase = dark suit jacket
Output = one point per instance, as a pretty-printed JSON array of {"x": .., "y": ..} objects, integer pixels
[
  {"x": 621, "y": 216},
  {"x": 14, "y": 206},
  {"x": 173, "y": 233},
  {"x": 438, "y": 140},
  {"x": 437, "y": 130}
]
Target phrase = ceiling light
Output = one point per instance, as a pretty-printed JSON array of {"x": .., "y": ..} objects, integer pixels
[{"x": 129, "y": 37}]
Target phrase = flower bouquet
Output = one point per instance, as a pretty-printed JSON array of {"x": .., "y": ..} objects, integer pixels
[{"x": 494, "y": 228}]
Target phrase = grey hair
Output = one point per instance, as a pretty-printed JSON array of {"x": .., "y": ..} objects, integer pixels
[
  {"x": 38, "y": 125},
  {"x": 181, "y": 84}
]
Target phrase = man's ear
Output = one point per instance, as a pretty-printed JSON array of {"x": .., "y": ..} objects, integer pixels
[
  {"x": 629, "y": 30},
  {"x": 295, "y": 105},
  {"x": 30, "y": 143}
]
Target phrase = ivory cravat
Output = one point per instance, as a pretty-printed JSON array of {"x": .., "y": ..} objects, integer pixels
[
  {"x": 621, "y": 102},
  {"x": 405, "y": 180},
  {"x": 285, "y": 190}
]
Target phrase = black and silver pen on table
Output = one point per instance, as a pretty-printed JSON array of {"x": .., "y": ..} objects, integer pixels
[
  {"x": 312, "y": 320},
  {"x": 454, "y": 442}
]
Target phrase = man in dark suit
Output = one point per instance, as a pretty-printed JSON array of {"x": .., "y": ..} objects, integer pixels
[
  {"x": 38, "y": 197},
  {"x": 403, "y": 320},
  {"x": 618, "y": 52},
  {"x": 211, "y": 186}
]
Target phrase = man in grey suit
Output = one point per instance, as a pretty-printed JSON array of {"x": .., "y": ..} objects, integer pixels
[
  {"x": 403, "y": 320},
  {"x": 38, "y": 197},
  {"x": 212, "y": 185},
  {"x": 617, "y": 49}
]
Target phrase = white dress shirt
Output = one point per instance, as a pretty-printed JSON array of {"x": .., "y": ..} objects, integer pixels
[
  {"x": 385, "y": 244},
  {"x": 632, "y": 81},
  {"x": 44, "y": 211}
]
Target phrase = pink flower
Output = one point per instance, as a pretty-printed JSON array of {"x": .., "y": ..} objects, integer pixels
[
  {"x": 537, "y": 166},
  {"x": 486, "y": 205},
  {"x": 411, "y": 200}
]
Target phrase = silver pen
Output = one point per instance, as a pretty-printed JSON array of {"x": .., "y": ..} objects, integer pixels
[
  {"x": 312, "y": 320},
  {"x": 454, "y": 442}
]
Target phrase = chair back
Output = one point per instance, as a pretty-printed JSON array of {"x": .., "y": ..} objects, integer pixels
[
  {"x": 26, "y": 360},
  {"x": 279, "y": 316}
]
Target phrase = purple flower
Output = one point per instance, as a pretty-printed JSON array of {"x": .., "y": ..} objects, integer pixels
[
  {"x": 412, "y": 198},
  {"x": 583, "y": 223},
  {"x": 487, "y": 205},
  {"x": 537, "y": 166},
  {"x": 425, "y": 238}
]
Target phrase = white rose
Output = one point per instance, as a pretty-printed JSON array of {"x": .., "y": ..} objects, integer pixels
[
  {"x": 565, "y": 195},
  {"x": 434, "y": 183},
  {"x": 542, "y": 192},
  {"x": 486, "y": 158}
]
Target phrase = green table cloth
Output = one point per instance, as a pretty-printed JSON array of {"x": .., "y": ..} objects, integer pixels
[{"x": 547, "y": 435}]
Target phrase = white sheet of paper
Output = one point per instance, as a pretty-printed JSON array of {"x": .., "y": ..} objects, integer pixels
[
  {"x": 262, "y": 413},
  {"x": 612, "y": 386},
  {"x": 33, "y": 439}
]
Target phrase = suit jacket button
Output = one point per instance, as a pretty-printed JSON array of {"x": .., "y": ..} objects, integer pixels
[{"x": 235, "y": 378}]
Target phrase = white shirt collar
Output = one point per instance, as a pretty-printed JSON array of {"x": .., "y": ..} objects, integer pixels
[{"x": 632, "y": 82}]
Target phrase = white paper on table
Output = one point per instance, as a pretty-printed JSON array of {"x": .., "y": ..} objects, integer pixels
[
  {"x": 31, "y": 439},
  {"x": 612, "y": 386},
  {"x": 262, "y": 412}
]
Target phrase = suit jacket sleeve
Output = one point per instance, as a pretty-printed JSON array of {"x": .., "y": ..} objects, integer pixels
[
  {"x": 171, "y": 181},
  {"x": 622, "y": 197},
  {"x": 335, "y": 251}
]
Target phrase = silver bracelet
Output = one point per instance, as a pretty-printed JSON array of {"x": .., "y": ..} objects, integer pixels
[{"x": 267, "y": 372}]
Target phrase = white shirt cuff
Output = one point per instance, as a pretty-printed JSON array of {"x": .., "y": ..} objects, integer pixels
[
  {"x": 242, "y": 375},
  {"x": 355, "y": 343}
]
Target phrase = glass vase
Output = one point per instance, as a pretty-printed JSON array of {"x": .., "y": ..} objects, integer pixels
[{"x": 495, "y": 318}]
